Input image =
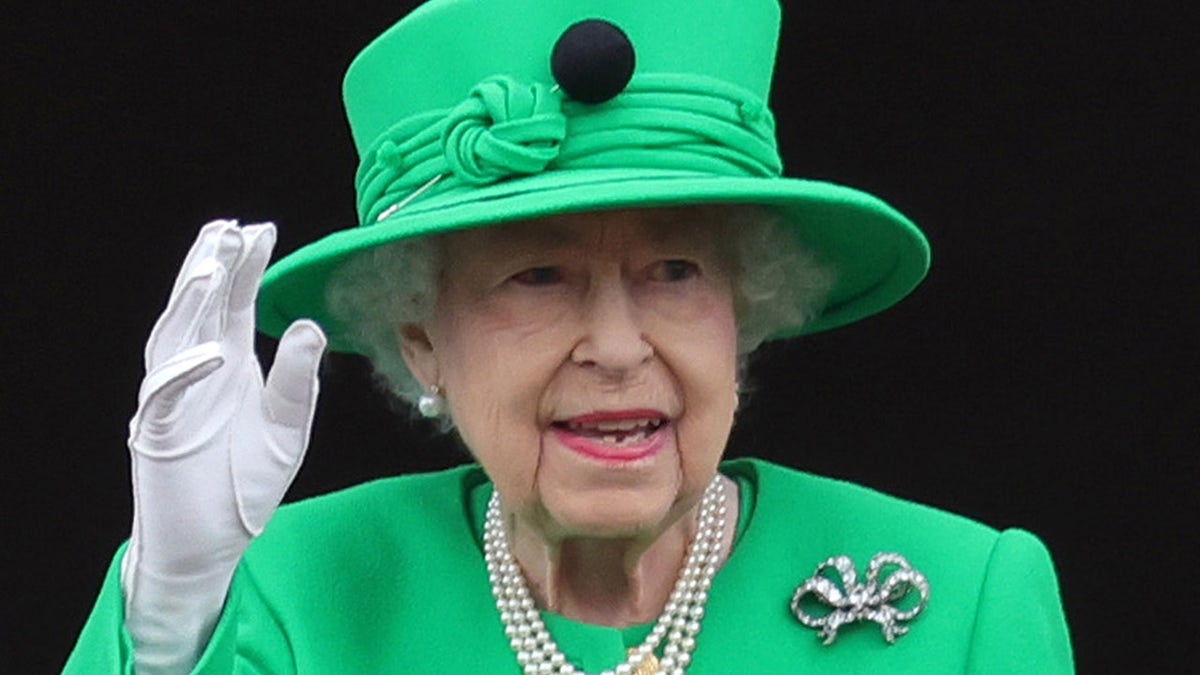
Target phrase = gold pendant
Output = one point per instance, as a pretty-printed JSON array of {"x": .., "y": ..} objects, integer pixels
[{"x": 648, "y": 666}]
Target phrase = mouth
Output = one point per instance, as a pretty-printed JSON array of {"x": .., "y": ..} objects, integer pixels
[{"x": 614, "y": 436}]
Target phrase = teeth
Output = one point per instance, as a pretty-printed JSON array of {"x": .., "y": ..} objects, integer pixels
[
  {"x": 633, "y": 438},
  {"x": 624, "y": 439},
  {"x": 607, "y": 426},
  {"x": 617, "y": 433}
]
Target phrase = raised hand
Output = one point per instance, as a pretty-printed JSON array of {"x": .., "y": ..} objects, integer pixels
[{"x": 213, "y": 448}]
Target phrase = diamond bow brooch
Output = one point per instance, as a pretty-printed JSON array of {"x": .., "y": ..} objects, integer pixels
[{"x": 848, "y": 601}]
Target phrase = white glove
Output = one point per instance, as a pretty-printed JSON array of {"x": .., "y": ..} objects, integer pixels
[{"x": 213, "y": 449}]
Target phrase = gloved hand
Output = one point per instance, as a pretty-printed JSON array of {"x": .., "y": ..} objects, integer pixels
[{"x": 213, "y": 448}]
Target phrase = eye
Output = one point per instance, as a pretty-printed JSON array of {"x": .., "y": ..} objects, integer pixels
[
  {"x": 538, "y": 276},
  {"x": 674, "y": 270}
]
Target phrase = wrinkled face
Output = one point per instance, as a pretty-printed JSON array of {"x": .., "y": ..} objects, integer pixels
[{"x": 589, "y": 361}]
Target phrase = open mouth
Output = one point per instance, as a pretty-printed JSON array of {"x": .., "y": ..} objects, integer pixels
[
  {"x": 613, "y": 436},
  {"x": 616, "y": 433}
]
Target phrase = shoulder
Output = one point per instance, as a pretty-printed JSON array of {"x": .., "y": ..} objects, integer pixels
[
  {"x": 336, "y": 578},
  {"x": 850, "y": 507},
  {"x": 846, "y": 518},
  {"x": 976, "y": 573},
  {"x": 421, "y": 493},
  {"x": 840, "y": 517},
  {"x": 359, "y": 543},
  {"x": 370, "y": 518}
]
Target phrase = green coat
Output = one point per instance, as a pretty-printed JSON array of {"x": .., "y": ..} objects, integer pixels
[{"x": 388, "y": 577}]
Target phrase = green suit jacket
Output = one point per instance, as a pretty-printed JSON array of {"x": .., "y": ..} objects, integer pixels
[{"x": 388, "y": 577}]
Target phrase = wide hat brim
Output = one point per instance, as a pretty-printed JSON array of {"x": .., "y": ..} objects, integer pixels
[{"x": 877, "y": 255}]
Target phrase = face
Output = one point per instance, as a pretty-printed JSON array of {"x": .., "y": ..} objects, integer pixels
[{"x": 589, "y": 362}]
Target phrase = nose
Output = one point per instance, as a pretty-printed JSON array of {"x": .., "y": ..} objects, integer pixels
[{"x": 613, "y": 340}]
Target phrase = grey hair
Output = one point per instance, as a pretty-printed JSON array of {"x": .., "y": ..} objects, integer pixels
[
  {"x": 778, "y": 287},
  {"x": 377, "y": 291}
]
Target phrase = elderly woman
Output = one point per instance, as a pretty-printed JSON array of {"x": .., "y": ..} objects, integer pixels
[{"x": 573, "y": 230}]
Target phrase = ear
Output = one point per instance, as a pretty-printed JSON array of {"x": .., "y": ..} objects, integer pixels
[{"x": 417, "y": 351}]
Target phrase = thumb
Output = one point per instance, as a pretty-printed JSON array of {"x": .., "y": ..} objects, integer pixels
[
  {"x": 290, "y": 394},
  {"x": 262, "y": 474}
]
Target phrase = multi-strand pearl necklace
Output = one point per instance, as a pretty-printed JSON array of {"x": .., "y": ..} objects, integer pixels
[{"x": 536, "y": 650}]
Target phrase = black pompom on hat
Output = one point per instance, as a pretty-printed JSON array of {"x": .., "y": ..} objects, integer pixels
[{"x": 592, "y": 61}]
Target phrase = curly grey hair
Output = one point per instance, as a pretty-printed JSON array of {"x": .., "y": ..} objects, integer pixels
[{"x": 778, "y": 286}]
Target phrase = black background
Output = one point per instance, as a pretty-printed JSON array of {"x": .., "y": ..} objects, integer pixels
[{"x": 1043, "y": 376}]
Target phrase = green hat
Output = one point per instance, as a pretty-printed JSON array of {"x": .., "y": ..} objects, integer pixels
[{"x": 475, "y": 112}]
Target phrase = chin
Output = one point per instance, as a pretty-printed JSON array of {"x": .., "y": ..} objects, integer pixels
[{"x": 617, "y": 511}]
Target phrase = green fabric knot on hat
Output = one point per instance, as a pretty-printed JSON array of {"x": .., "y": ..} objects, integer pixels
[
  {"x": 389, "y": 153},
  {"x": 503, "y": 128},
  {"x": 506, "y": 129}
]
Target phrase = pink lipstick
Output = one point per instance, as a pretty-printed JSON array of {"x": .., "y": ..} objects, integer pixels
[{"x": 614, "y": 435}]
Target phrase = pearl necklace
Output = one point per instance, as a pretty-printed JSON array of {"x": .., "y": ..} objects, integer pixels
[{"x": 536, "y": 650}]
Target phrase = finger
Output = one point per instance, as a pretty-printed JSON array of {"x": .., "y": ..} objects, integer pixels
[
  {"x": 179, "y": 323},
  {"x": 262, "y": 474},
  {"x": 290, "y": 394},
  {"x": 218, "y": 241},
  {"x": 257, "y": 243},
  {"x": 161, "y": 391},
  {"x": 213, "y": 324},
  {"x": 205, "y": 246}
]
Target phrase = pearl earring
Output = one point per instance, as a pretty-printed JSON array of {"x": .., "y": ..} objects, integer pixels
[{"x": 431, "y": 403}]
